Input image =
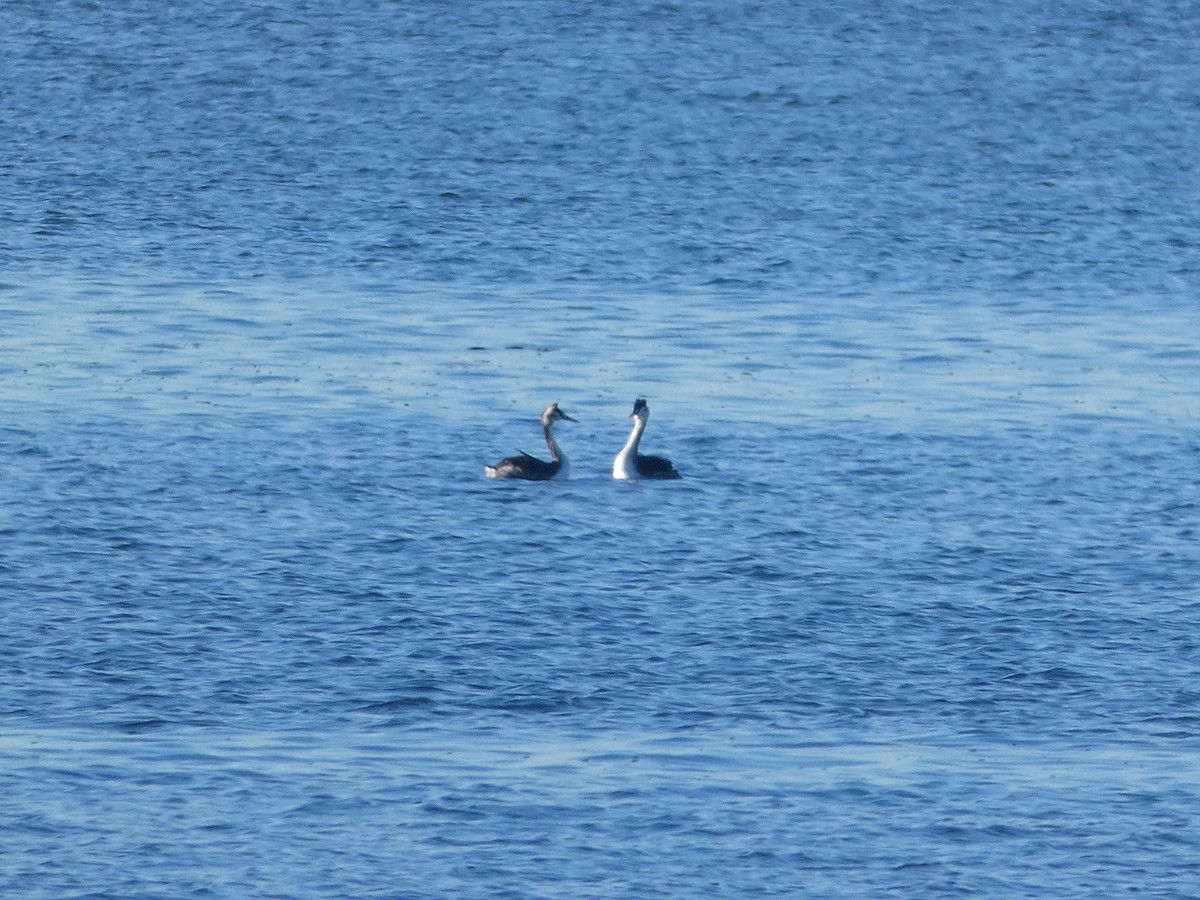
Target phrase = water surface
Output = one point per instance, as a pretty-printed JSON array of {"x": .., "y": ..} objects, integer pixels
[{"x": 910, "y": 293}]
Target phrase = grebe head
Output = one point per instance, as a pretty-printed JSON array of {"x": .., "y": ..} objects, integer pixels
[
  {"x": 640, "y": 409},
  {"x": 552, "y": 414}
]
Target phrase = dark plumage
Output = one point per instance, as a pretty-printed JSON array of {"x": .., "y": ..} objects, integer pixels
[{"x": 530, "y": 468}]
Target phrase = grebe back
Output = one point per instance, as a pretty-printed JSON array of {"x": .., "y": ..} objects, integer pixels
[
  {"x": 629, "y": 464},
  {"x": 530, "y": 467}
]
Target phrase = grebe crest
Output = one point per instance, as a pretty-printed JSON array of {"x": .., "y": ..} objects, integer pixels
[
  {"x": 629, "y": 463},
  {"x": 529, "y": 467}
]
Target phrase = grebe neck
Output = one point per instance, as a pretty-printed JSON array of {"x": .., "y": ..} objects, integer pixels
[
  {"x": 625, "y": 465},
  {"x": 555, "y": 453},
  {"x": 635, "y": 436}
]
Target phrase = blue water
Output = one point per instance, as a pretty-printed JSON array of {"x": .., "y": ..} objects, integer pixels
[{"x": 911, "y": 290}]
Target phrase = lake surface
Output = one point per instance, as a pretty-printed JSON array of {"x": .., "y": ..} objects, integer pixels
[{"x": 911, "y": 291}]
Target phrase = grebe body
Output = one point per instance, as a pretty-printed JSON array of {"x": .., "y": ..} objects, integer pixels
[
  {"x": 530, "y": 468},
  {"x": 629, "y": 464}
]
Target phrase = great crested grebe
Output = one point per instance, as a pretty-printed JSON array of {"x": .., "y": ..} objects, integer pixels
[
  {"x": 630, "y": 464},
  {"x": 530, "y": 467}
]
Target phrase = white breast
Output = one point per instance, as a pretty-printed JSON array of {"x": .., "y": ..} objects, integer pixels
[{"x": 623, "y": 465}]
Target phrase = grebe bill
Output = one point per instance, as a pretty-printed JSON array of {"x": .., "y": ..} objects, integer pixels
[
  {"x": 629, "y": 464},
  {"x": 530, "y": 468}
]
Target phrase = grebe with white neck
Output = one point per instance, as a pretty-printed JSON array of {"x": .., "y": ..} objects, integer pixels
[
  {"x": 630, "y": 464},
  {"x": 529, "y": 467}
]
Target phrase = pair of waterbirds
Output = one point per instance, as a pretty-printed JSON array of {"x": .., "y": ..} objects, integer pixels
[{"x": 629, "y": 464}]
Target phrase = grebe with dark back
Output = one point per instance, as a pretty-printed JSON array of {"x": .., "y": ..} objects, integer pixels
[
  {"x": 530, "y": 467},
  {"x": 630, "y": 464}
]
